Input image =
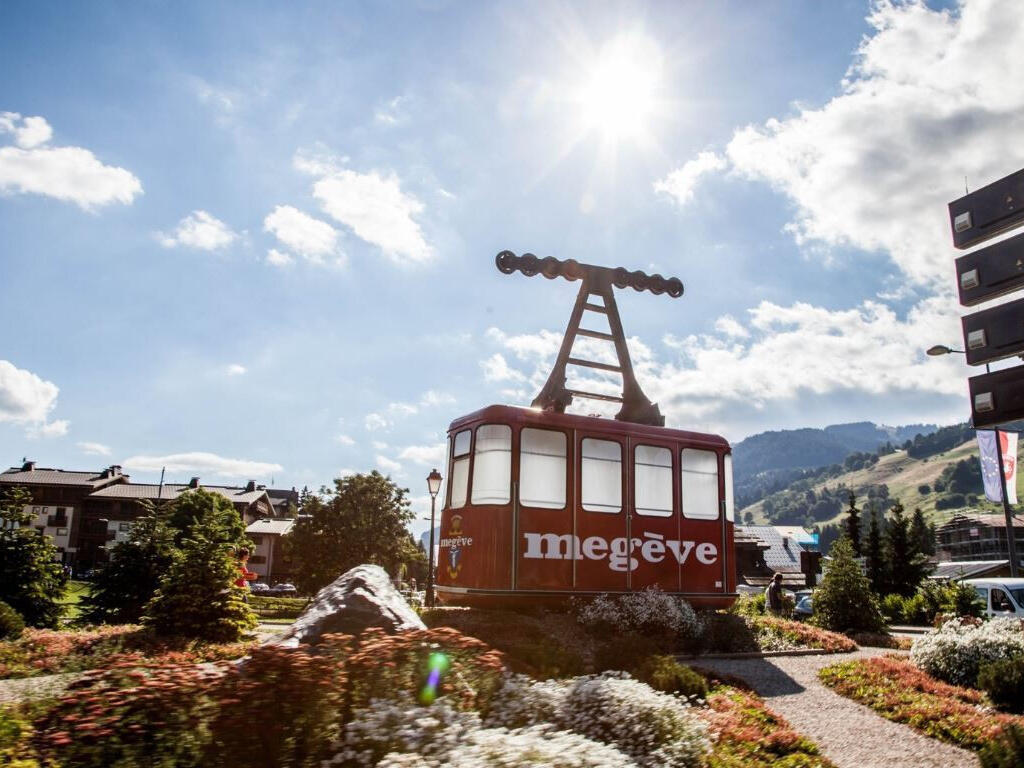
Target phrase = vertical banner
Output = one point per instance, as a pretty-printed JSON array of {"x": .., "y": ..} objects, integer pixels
[{"x": 990, "y": 463}]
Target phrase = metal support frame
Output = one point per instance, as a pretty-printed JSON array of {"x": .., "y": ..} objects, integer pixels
[{"x": 597, "y": 282}]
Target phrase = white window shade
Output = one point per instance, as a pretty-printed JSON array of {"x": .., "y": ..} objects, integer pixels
[
  {"x": 729, "y": 499},
  {"x": 492, "y": 464},
  {"x": 542, "y": 468},
  {"x": 700, "y": 484},
  {"x": 601, "y": 475},
  {"x": 652, "y": 481},
  {"x": 460, "y": 469}
]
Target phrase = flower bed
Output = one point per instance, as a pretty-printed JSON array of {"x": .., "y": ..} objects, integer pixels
[
  {"x": 45, "y": 651},
  {"x": 775, "y": 634},
  {"x": 899, "y": 691},
  {"x": 956, "y": 651},
  {"x": 749, "y": 735}
]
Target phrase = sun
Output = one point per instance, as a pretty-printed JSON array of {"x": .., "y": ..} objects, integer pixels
[{"x": 619, "y": 96}]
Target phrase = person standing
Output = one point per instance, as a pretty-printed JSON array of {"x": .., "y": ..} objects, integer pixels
[
  {"x": 244, "y": 574},
  {"x": 773, "y": 596}
]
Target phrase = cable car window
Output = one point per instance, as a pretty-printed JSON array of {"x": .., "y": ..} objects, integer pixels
[
  {"x": 542, "y": 468},
  {"x": 730, "y": 502},
  {"x": 492, "y": 464},
  {"x": 601, "y": 475},
  {"x": 460, "y": 469},
  {"x": 652, "y": 481},
  {"x": 700, "y": 484}
]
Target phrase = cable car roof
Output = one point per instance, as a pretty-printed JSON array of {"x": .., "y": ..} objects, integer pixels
[{"x": 534, "y": 417}]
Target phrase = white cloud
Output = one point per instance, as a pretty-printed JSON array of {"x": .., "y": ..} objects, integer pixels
[
  {"x": 344, "y": 439},
  {"x": 428, "y": 455},
  {"x": 680, "y": 183},
  {"x": 236, "y": 370},
  {"x": 93, "y": 449},
  {"x": 729, "y": 326},
  {"x": 375, "y": 421},
  {"x": 71, "y": 174},
  {"x": 278, "y": 258},
  {"x": 346, "y": 472},
  {"x": 390, "y": 113},
  {"x": 496, "y": 368},
  {"x": 388, "y": 465},
  {"x": 27, "y": 400},
  {"x": 373, "y": 206},
  {"x": 56, "y": 428},
  {"x": 433, "y": 399},
  {"x": 312, "y": 238},
  {"x": 199, "y": 230},
  {"x": 379, "y": 445},
  {"x": 199, "y": 461}
]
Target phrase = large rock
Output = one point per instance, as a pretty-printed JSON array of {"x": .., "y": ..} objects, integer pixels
[{"x": 358, "y": 599}]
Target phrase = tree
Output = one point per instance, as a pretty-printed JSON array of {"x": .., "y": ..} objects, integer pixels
[
  {"x": 32, "y": 580},
  {"x": 874, "y": 555},
  {"x": 361, "y": 520},
  {"x": 197, "y": 597},
  {"x": 906, "y": 565},
  {"x": 921, "y": 535},
  {"x": 853, "y": 525},
  {"x": 125, "y": 584},
  {"x": 844, "y": 601},
  {"x": 197, "y": 504}
]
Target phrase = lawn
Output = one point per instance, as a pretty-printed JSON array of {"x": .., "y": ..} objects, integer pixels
[
  {"x": 73, "y": 594},
  {"x": 899, "y": 691}
]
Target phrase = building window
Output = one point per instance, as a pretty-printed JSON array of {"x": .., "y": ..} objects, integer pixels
[
  {"x": 730, "y": 502},
  {"x": 542, "y": 455},
  {"x": 700, "y": 484},
  {"x": 460, "y": 469},
  {"x": 652, "y": 481},
  {"x": 62, "y": 531},
  {"x": 492, "y": 464},
  {"x": 601, "y": 475},
  {"x": 257, "y": 560},
  {"x": 256, "y": 540},
  {"x": 124, "y": 527}
]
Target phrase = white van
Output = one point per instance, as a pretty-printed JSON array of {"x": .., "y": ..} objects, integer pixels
[{"x": 1002, "y": 597}]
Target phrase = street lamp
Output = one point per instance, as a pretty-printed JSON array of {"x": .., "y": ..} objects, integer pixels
[
  {"x": 942, "y": 349},
  {"x": 433, "y": 486}
]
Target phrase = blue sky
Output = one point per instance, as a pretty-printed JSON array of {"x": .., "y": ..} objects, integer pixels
[{"x": 255, "y": 240}]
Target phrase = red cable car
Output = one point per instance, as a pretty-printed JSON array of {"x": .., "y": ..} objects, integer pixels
[{"x": 542, "y": 505}]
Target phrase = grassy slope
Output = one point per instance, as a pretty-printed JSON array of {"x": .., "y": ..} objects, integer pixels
[{"x": 903, "y": 475}]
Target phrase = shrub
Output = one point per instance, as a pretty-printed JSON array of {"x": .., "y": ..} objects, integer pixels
[
  {"x": 15, "y": 733},
  {"x": 650, "y": 612},
  {"x": 844, "y": 601},
  {"x": 1005, "y": 751},
  {"x": 1003, "y": 681},
  {"x": 893, "y": 608},
  {"x": 521, "y": 702},
  {"x": 754, "y": 605},
  {"x": 32, "y": 579},
  {"x": 530, "y": 747},
  {"x": 955, "y": 651},
  {"x": 11, "y": 624},
  {"x": 624, "y": 652},
  {"x": 727, "y": 632},
  {"x": 665, "y": 674},
  {"x": 655, "y": 729}
]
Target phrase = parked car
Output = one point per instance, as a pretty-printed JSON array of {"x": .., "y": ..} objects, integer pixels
[
  {"x": 259, "y": 588},
  {"x": 1002, "y": 597},
  {"x": 804, "y": 607},
  {"x": 282, "y": 590}
]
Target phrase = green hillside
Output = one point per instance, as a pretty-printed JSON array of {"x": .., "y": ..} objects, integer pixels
[{"x": 903, "y": 476}]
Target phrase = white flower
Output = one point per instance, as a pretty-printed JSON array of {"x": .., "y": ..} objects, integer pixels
[{"x": 956, "y": 651}]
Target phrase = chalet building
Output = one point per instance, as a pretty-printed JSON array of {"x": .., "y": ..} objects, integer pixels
[
  {"x": 58, "y": 499},
  {"x": 286, "y": 503},
  {"x": 764, "y": 550},
  {"x": 977, "y": 536},
  {"x": 109, "y": 512},
  {"x": 268, "y": 559}
]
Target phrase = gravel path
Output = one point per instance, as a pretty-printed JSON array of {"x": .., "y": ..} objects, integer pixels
[
  {"x": 35, "y": 687},
  {"x": 848, "y": 733}
]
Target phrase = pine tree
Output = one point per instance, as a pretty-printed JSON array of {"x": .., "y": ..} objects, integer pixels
[
  {"x": 844, "y": 601},
  {"x": 197, "y": 504},
  {"x": 32, "y": 580},
  {"x": 906, "y": 564},
  {"x": 875, "y": 557},
  {"x": 922, "y": 536},
  {"x": 126, "y": 583},
  {"x": 853, "y": 525},
  {"x": 197, "y": 596}
]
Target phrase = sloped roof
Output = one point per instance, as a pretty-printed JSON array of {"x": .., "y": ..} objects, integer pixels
[
  {"x": 981, "y": 518},
  {"x": 271, "y": 525},
  {"x": 44, "y": 476},
  {"x": 966, "y": 569},
  {"x": 172, "y": 491},
  {"x": 783, "y": 553}
]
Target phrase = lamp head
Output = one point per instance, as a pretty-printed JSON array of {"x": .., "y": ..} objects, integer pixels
[
  {"x": 434, "y": 482},
  {"x": 937, "y": 350}
]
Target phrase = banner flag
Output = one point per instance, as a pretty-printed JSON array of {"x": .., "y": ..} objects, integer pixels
[{"x": 990, "y": 463}]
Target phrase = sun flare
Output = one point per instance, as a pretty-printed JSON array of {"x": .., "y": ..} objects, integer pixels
[{"x": 619, "y": 96}]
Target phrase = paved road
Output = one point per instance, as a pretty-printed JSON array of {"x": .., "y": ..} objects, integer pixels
[{"x": 848, "y": 733}]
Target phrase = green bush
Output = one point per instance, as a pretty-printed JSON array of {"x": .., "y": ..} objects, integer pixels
[
  {"x": 11, "y": 623},
  {"x": 932, "y": 598},
  {"x": 664, "y": 673},
  {"x": 1003, "y": 681},
  {"x": 32, "y": 580},
  {"x": 844, "y": 601},
  {"x": 893, "y": 609},
  {"x": 1006, "y": 751}
]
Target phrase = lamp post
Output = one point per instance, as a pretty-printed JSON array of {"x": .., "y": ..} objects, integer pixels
[
  {"x": 433, "y": 486},
  {"x": 942, "y": 349}
]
